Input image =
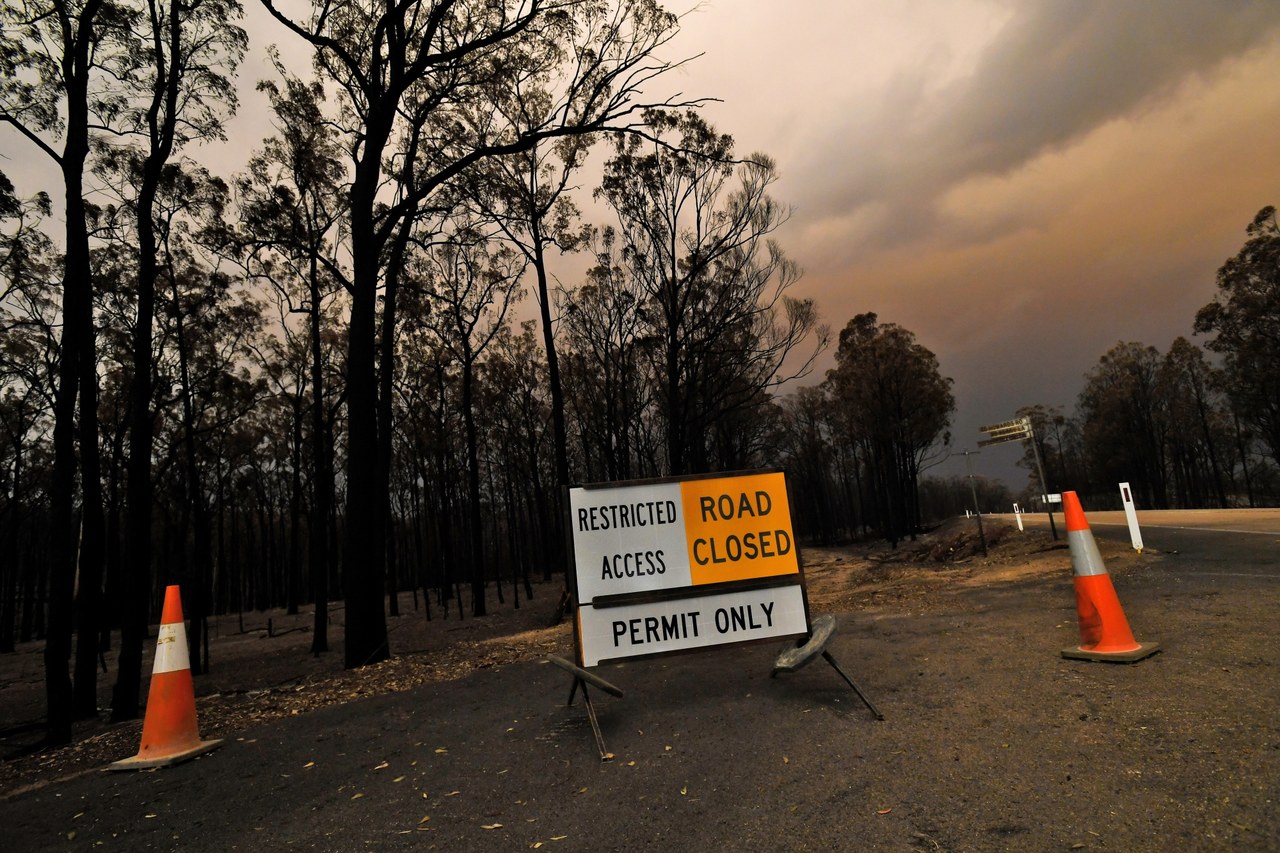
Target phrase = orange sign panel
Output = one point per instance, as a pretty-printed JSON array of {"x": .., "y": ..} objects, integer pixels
[{"x": 738, "y": 528}]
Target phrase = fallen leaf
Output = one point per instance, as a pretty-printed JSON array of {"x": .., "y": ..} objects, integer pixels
[
  {"x": 151, "y": 815},
  {"x": 308, "y": 764},
  {"x": 786, "y": 760},
  {"x": 450, "y": 794},
  {"x": 441, "y": 750},
  {"x": 582, "y": 790},
  {"x": 357, "y": 796},
  {"x": 559, "y": 837},
  {"x": 383, "y": 766},
  {"x": 884, "y": 811},
  {"x": 491, "y": 826},
  {"x": 631, "y": 764},
  {"x": 425, "y": 819},
  {"x": 608, "y": 756},
  {"x": 684, "y": 791},
  {"x": 398, "y": 779},
  {"x": 535, "y": 845}
]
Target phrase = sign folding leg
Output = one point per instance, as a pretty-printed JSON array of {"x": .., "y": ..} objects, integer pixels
[
  {"x": 591, "y": 715},
  {"x": 581, "y": 678},
  {"x": 826, "y": 655},
  {"x": 823, "y": 628}
]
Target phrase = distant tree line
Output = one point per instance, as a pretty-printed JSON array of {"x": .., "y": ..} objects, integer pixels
[{"x": 1186, "y": 429}]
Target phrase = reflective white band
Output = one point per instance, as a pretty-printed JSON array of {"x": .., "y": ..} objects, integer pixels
[
  {"x": 1085, "y": 559},
  {"x": 171, "y": 649}
]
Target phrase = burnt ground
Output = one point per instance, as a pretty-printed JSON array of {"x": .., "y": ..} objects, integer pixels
[
  {"x": 991, "y": 741},
  {"x": 261, "y": 668}
]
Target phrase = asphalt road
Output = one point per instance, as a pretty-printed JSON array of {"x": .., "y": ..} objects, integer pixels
[
  {"x": 1244, "y": 542},
  {"x": 991, "y": 742}
]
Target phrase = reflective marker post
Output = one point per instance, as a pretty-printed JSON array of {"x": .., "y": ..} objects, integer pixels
[{"x": 1131, "y": 516}]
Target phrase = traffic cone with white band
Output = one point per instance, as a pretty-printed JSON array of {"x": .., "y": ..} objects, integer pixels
[
  {"x": 1104, "y": 631},
  {"x": 169, "y": 731}
]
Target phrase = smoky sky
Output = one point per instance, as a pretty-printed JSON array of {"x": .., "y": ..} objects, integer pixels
[
  {"x": 1021, "y": 184},
  {"x": 1052, "y": 74}
]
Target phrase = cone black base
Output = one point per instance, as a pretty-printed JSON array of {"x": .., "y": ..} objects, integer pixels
[
  {"x": 1144, "y": 650},
  {"x": 138, "y": 762}
]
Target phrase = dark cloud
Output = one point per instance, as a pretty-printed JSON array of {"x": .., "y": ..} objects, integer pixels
[
  {"x": 1060, "y": 69},
  {"x": 1055, "y": 72}
]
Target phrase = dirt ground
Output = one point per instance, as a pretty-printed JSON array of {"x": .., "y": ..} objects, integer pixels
[{"x": 262, "y": 669}]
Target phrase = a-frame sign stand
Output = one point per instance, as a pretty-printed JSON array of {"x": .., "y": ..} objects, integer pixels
[
  {"x": 674, "y": 565},
  {"x": 581, "y": 678}
]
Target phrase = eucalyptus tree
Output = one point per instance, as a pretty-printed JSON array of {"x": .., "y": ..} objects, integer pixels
[
  {"x": 610, "y": 384},
  {"x": 526, "y": 196},
  {"x": 804, "y": 446},
  {"x": 212, "y": 326},
  {"x": 430, "y": 437},
  {"x": 1244, "y": 319},
  {"x": 1059, "y": 446},
  {"x": 292, "y": 206},
  {"x": 28, "y": 356},
  {"x": 1124, "y": 417},
  {"x": 60, "y": 63},
  {"x": 425, "y": 65},
  {"x": 1198, "y": 430},
  {"x": 472, "y": 281},
  {"x": 182, "y": 91},
  {"x": 695, "y": 227},
  {"x": 893, "y": 403},
  {"x": 516, "y": 413}
]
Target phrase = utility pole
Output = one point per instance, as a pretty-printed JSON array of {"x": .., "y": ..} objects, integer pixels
[
  {"x": 1048, "y": 504},
  {"x": 1020, "y": 429},
  {"x": 973, "y": 489}
]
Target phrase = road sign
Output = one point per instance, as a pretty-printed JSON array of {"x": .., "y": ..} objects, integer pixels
[
  {"x": 670, "y": 565},
  {"x": 1019, "y": 423},
  {"x": 1018, "y": 429},
  {"x": 1001, "y": 439}
]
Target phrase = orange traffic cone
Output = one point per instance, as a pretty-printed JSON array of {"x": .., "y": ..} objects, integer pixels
[
  {"x": 169, "y": 732},
  {"x": 1104, "y": 632}
]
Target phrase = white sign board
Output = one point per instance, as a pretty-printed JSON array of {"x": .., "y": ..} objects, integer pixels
[
  {"x": 628, "y": 539},
  {"x": 666, "y": 566},
  {"x": 657, "y": 627}
]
